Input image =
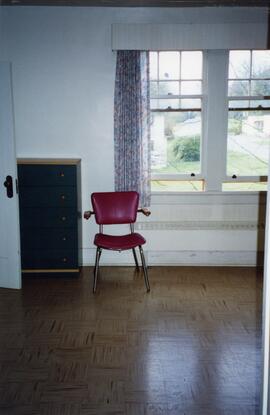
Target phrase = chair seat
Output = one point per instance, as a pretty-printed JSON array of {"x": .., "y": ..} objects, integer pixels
[{"x": 118, "y": 243}]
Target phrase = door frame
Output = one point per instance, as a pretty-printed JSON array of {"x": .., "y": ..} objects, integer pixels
[{"x": 11, "y": 259}]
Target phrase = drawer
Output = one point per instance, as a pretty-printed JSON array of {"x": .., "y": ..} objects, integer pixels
[
  {"x": 48, "y": 217},
  {"x": 35, "y": 239},
  {"x": 46, "y": 175},
  {"x": 31, "y": 196},
  {"x": 49, "y": 259}
]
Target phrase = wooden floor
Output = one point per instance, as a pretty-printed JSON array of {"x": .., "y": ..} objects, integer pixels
[{"x": 191, "y": 346}]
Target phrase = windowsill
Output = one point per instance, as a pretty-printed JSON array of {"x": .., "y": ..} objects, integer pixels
[
  {"x": 210, "y": 193},
  {"x": 211, "y": 197}
]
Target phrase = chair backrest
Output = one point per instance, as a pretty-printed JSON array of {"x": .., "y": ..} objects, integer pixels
[{"x": 115, "y": 207}]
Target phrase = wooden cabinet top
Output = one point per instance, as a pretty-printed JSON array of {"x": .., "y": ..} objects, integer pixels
[{"x": 48, "y": 161}]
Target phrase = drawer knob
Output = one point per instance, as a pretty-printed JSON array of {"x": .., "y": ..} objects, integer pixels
[
  {"x": 63, "y": 197},
  {"x": 64, "y": 238},
  {"x": 62, "y": 174},
  {"x": 63, "y": 218},
  {"x": 64, "y": 259}
]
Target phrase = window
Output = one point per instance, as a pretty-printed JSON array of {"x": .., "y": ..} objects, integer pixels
[
  {"x": 248, "y": 120},
  {"x": 210, "y": 120},
  {"x": 176, "y": 122}
]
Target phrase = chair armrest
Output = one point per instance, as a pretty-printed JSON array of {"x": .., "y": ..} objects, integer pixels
[
  {"x": 144, "y": 211},
  {"x": 87, "y": 214}
]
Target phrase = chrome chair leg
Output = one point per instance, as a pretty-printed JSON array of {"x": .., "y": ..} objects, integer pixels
[
  {"x": 135, "y": 259},
  {"x": 98, "y": 254},
  {"x": 145, "y": 273}
]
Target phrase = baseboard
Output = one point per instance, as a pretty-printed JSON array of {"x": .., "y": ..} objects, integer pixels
[{"x": 181, "y": 258}]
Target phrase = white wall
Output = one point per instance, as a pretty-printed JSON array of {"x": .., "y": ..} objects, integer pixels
[{"x": 63, "y": 78}]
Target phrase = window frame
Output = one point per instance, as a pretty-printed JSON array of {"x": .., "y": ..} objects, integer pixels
[
  {"x": 214, "y": 119},
  {"x": 243, "y": 178},
  {"x": 180, "y": 176}
]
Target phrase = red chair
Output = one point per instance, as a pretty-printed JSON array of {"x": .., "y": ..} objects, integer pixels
[{"x": 113, "y": 208}]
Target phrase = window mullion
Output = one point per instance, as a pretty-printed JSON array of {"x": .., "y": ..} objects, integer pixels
[{"x": 215, "y": 143}]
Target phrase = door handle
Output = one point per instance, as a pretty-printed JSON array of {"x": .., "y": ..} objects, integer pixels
[{"x": 8, "y": 183}]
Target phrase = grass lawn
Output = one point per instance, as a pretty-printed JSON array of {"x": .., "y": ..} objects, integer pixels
[{"x": 245, "y": 165}]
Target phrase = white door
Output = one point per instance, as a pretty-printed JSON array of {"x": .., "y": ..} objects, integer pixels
[
  {"x": 10, "y": 263},
  {"x": 265, "y": 401}
]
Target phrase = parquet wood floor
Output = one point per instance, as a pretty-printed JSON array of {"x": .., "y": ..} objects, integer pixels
[{"x": 192, "y": 346}]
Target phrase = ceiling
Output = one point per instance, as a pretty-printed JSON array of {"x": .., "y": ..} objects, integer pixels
[{"x": 138, "y": 3}]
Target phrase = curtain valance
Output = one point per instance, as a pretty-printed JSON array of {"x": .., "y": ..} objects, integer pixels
[{"x": 191, "y": 36}]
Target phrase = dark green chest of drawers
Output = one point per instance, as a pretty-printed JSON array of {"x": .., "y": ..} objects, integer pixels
[{"x": 50, "y": 220}]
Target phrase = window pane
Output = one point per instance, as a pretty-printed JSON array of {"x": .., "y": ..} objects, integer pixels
[
  {"x": 153, "y": 59},
  {"x": 239, "y": 104},
  {"x": 169, "y": 88},
  {"x": 169, "y": 65},
  {"x": 264, "y": 103},
  {"x": 261, "y": 64},
  {"x": 260, "y": 88},
  {"x": 154, "y": 104},
  {"x": 190, "y": 103},
  {"x": 177, "y": 142},
  {"x": 191, "y": 65},
  {"x": 238, "y": 88},
  {"x": 239, "y": 64},
  {"x": 153, "y": 89},
  {"x": 177, "y": 186},
  {"x": 191, "y": 87},
  {"x": 260, "y": 103},
  {"x": 248, "y": 143},
  {"x": 169, "y": 103},
  {"x": 244, "y": 187}
]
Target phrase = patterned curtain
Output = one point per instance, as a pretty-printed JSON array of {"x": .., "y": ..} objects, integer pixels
[{"x": 132, "y": 124}]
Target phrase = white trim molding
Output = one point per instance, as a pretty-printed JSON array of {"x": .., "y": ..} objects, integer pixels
[
  {"x": 205, "y": 258},
  {"x": 178, "y": 258}
]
